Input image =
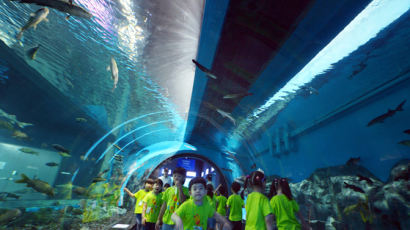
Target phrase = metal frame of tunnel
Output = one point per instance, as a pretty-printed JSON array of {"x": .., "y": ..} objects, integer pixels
[{"x": 200, "y": 157}]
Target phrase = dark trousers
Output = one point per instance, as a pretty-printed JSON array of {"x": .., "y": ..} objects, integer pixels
[
  {"x": 138, "y": 225},
  {"x": 236, "y": 225},
  {"x": 149, "y": 226}
]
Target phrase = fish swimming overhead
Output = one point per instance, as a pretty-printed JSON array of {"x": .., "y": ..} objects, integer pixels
[
  {"x": 51, "y": 164},
  {"x": 33, "y": 52},
  {"x": 368, "y": 180},
  {"x": 9, "y": 215},
  {"x": 28, "y": 150},
  {"x": 38, "y": 185},
  {"x": 60, "y": 148},
  {"x": 204, "y": 69},
  {"x": 389, "y": 113},
  {"x": 8, "y": 194},
  {"x": 237, "y": 95},
  {"x": 405, "y": 143},
  {"x": 35, "y": 18},
  {"x": 61, "y": 5},
  {"x": 353, "y": 187},
  {"x": 114, "y": 72}
]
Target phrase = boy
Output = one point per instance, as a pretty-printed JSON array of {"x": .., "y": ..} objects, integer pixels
[
  {"x": 194, "y": 213},
  {"x": 139, "y": 196},
  {"x": 151, "y": 206},
  {"x": 235, "y": 205},
  {"x": 172, "y": 198},
  {"x": 220, "y": 203}
]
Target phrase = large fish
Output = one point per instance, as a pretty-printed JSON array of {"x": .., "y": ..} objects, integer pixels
[
  {"x": 61, "y": 5},
  {"x": 35, "y": 18},
  {"x": 237, "y": 95},
  {"x": 114, "y": 72},
  {"x": 204, "y": 69},
  {"x": 9, "y": 215},
  {"x": 390, "y": 113},
  {"x": 38, "y": 185},
  {"x": 60, "y": 148}
]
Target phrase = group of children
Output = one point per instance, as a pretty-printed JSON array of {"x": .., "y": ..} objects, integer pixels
[{"x": 199, "y": 206}]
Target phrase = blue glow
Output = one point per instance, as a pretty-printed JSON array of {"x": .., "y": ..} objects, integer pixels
[
  {"x": 74, "y": 175},
  {"x": 114, "y": 129},
  {"x": 129, "y": 133},
  {"x": 375, "y": 17}
]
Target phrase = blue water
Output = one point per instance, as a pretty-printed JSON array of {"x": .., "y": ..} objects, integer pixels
[{"x": 312, "y": 99}]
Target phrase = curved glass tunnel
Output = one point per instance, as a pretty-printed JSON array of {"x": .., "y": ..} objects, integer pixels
[{"x": 313, "y": 91}]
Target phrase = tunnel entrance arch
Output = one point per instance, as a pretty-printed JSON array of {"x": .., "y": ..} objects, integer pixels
[{"x": 172, "y": 161}]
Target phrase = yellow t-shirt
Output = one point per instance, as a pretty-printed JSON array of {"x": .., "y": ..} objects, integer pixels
[
  {"x": 257, "y": 207},
  {"x": 154, "y": 203},
  {"x": 195, "y": 217},
  {"x": 139, "y": 196},
  {"x": 171, "y": 198},
  {"x": 221, "y": 205},
  {"x": 284, "y": 210},
  {"x": 235, "y": 204}
]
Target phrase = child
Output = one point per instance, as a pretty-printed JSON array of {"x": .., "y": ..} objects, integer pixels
[
  {"x": 284, "y": 208},
  {"x": 235, "y": 205},
  {"x": 172, "y": 198},
  {"x": 220, "y": 203},
  {"x": 151, "y": 206},
  {"x": 194, "y": 213},
  {"x": 212, "y": 201},
  {"x": 139, "y": 196},
  {"x": 258, "y": 211}
]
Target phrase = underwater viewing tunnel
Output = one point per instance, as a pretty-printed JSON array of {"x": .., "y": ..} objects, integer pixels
[{"x": 101, "y": 98}]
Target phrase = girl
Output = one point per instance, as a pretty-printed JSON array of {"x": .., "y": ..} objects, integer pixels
[
  {"x": 258, "y": 211},
  {"x": 284, "y": 208}
]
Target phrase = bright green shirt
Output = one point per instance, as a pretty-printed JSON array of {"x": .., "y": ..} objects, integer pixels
[
  {"x": 221, "y": 205},
  {"x": 139, "y": 196},
  {"x": 284, "y": 210},
  {"x": 212, "y": 201},
  {"x": 154, "y": 203},
  {"x": 235, "y": 204},
  {"x": 195, "y": 217},
  {"x": 257, "y": 207},
  {"x": 171, "y": 198}
]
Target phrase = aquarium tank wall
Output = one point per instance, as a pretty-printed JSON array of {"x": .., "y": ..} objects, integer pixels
[{"x": 99, "y": 97}]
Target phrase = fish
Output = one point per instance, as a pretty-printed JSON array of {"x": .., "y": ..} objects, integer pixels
[
  {"x": 6, "y": 125},
  {"x": 114, "y": 72},
  {"x": 102, "y": 173},
  {"x": 20, "y": 135},
  {"x": 8, "y": 194},
  {"x": 12, "y": 120},
  {"x": 51, "y": 164},
  {"x": 226, "y": 115},
  {"x": 64, "y": 154},
  {"x": 35, "y": 18},
  {"x": 118, "y": 147},
  {"x": 310, "y": 90},
  {"x": 60, "y": 148},
  {"x": 36, "y": 184},
  {"x": 368, "y": 180},
  {"x": 9, "y": 215},
  {"x": 61, "y": 5},
  {"x": 204, "y": 69},
  {"x": 353, "y": 161},
  {"x": 237, "y": 95},
  {"x": 80, "y": 191},
  {"x": 407, "y": 131},
  {"x": 98, "y": 179},
  {"x": 81, "y": 120},
  {"x": 389, "y": 113},
  {"x": 405, "y": 143},
  {"x": 28, "y": 150},
  {"x": 65, "y": 173},
  {"x": 353, "y": 187},
  {"x": 33, "y": 52}
]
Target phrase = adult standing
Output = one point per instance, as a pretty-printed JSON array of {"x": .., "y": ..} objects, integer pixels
[{"x": 165, "y": 178}]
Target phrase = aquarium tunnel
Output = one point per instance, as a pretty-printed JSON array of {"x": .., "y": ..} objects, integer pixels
[{"x": 97, "y": 97}]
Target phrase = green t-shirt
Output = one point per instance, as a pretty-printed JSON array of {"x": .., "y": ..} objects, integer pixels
[
  {"x": 195, "y": 217},
  {"x": 235, "y": 204},
  {"x": 154, "y": 203},
  {"x": 221, "y": 205},
  {"x": 171, "y": 198},
  {"x": 257, "y": 207},
  {"x": 284, "y": 210},
  {"x": 139, "y": 196},
  {"x": 212, "y": 201}
]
